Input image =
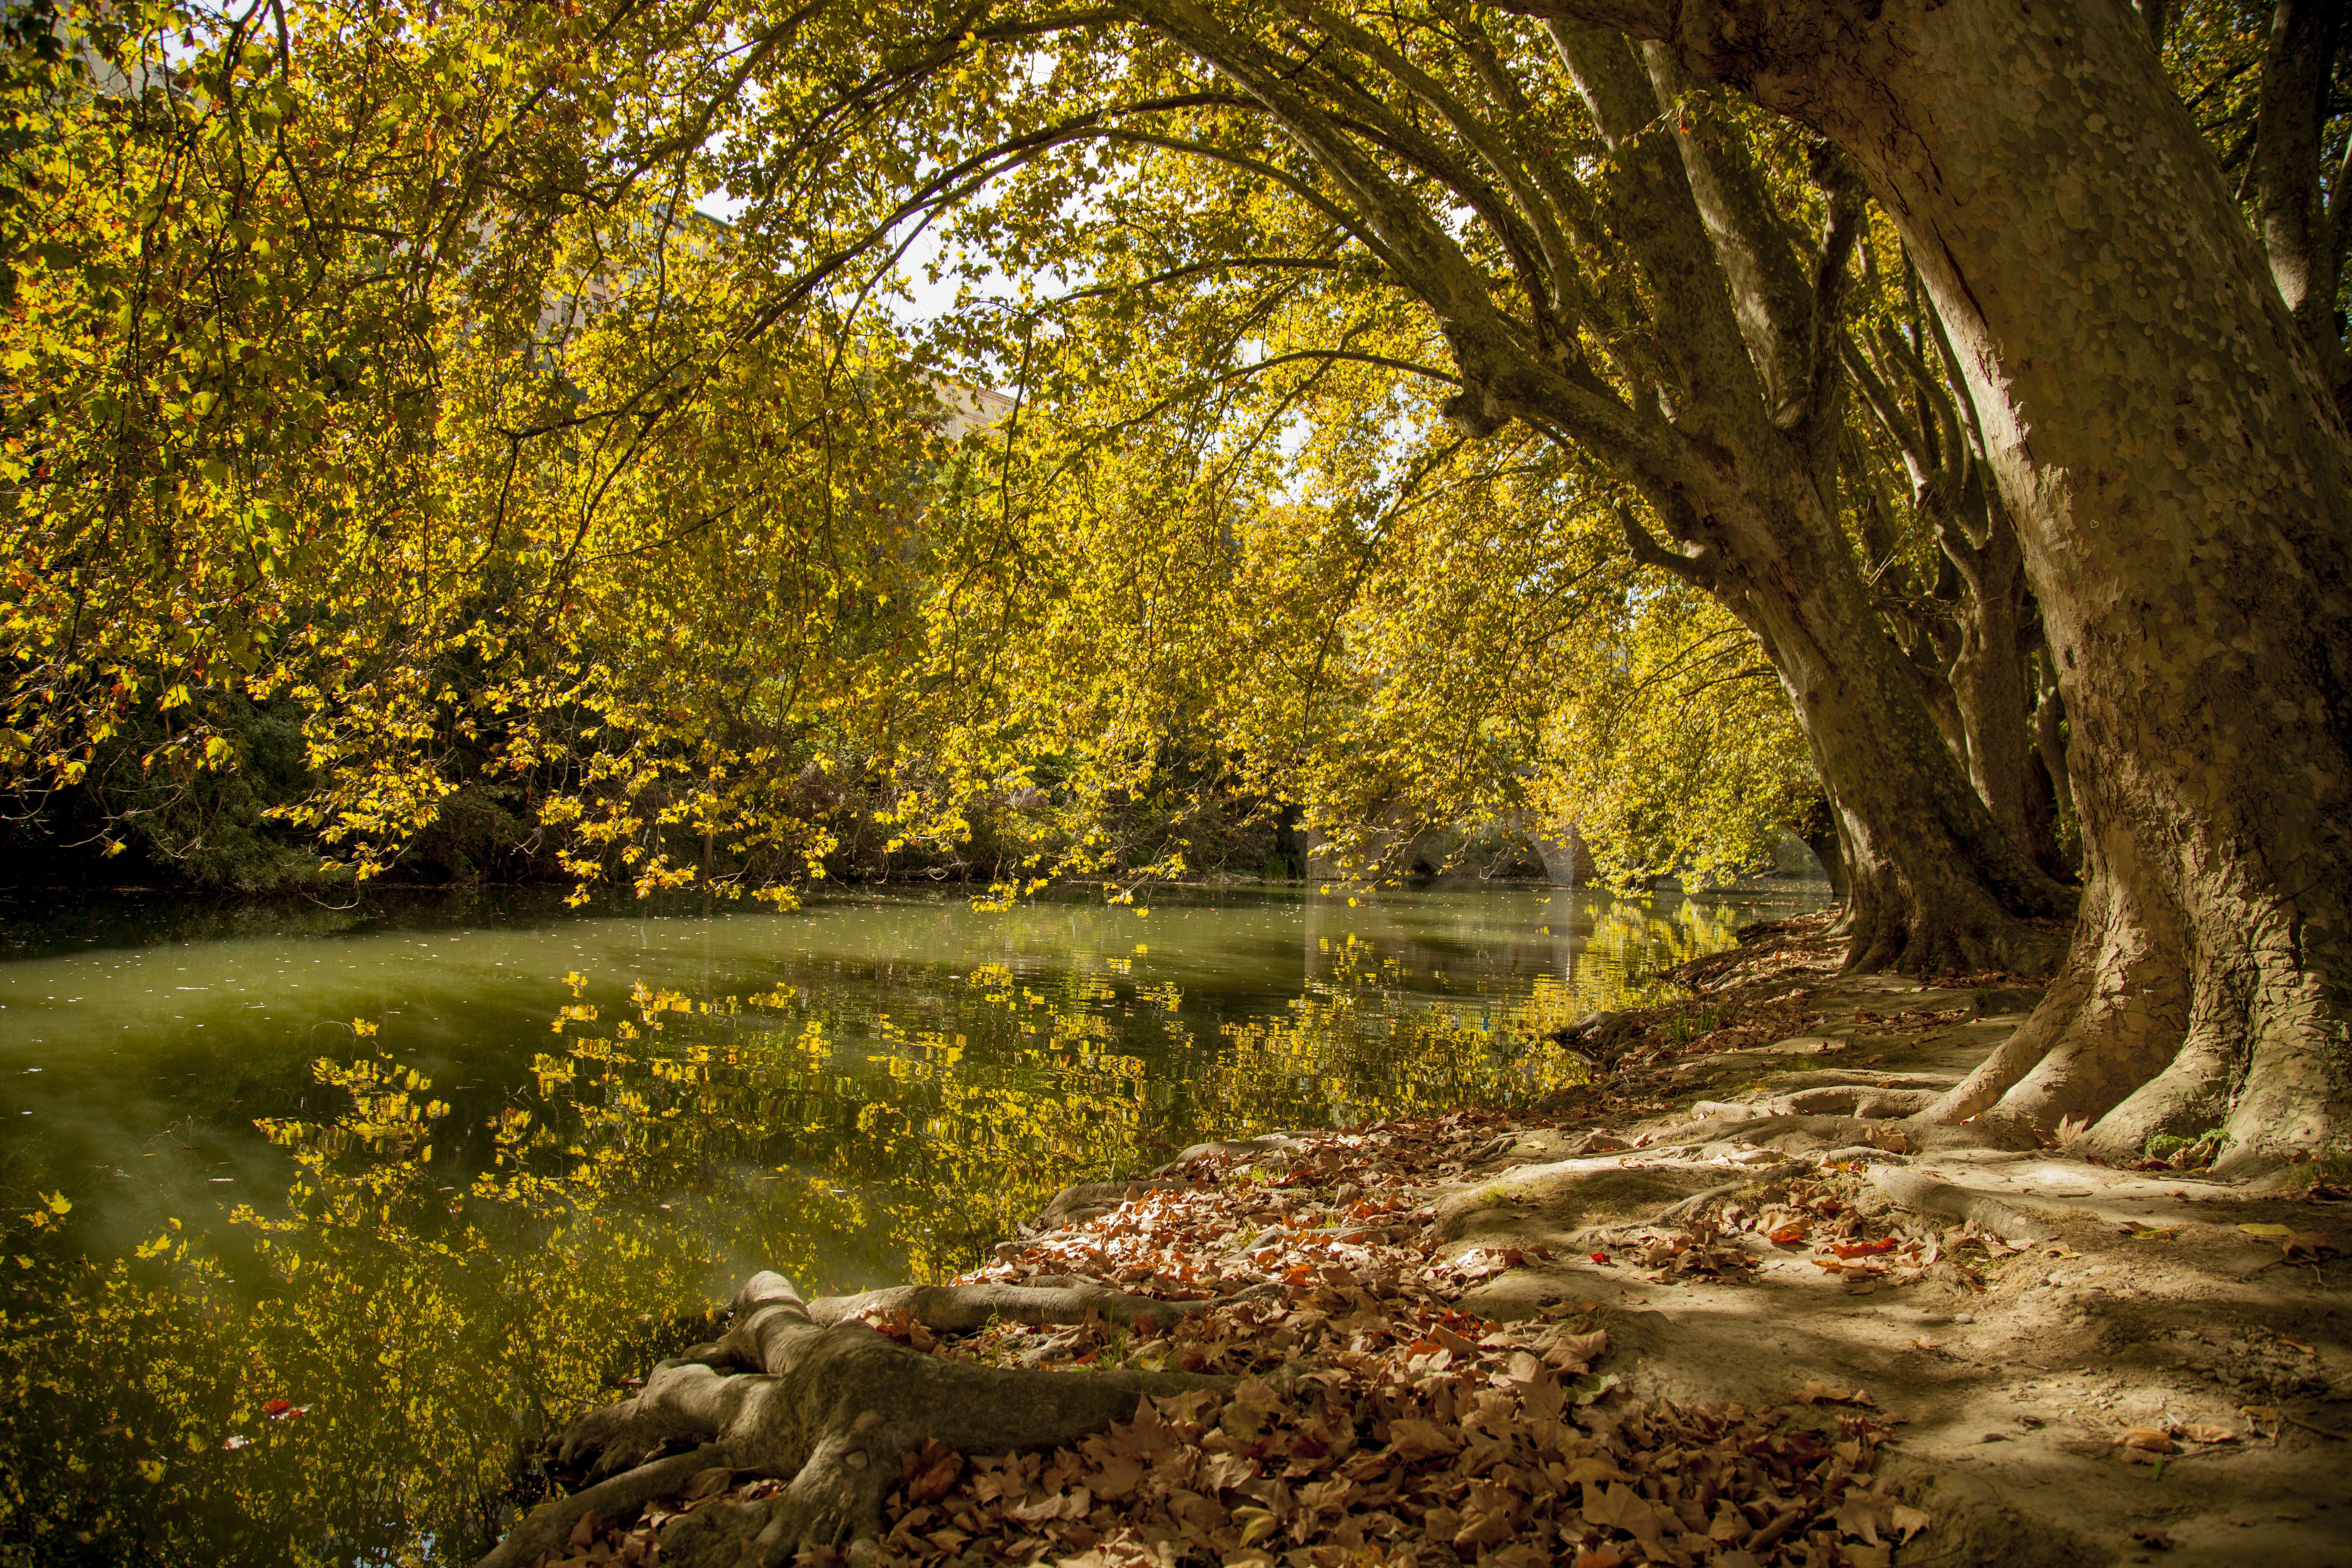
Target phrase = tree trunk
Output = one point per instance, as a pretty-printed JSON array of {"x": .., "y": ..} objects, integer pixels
[
  {"x": 1989, "y": 686},
  {"x": 2299, "y": 222},
  {"x": 2178, "y": 476},
  {"x": 1819, "y": 827},
  {"x": 1932, "y": 883},
  {"x": 2049, "y": 745}
]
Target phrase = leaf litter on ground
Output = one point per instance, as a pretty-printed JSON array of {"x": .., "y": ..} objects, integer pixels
[{"x": 1376, "y": 1421}]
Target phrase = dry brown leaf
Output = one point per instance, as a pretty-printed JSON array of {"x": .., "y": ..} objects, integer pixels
[
  {"x": 938, "y": 1468},
  {"x": 2310, "y": 1244},
  {"x": 1520, "y": 1555},
  {"x": 1584, "y": 1349},
  {"x": 1413, "y": 1439},
  {"x": 1067, "y": 1505},
  {"x": 2150, "y": 1440},
  {"x": 1822, "y": 1393},
  {"x": 1620, "y": 1506},
  {"x": 1118, "y": 1477},
  {"x": 1595, "y": 1468}
]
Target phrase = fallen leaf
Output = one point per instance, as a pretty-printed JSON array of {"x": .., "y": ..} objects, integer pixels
[
  {"x": 1416, "y": 1439},
  {"x": 1620, "y": 1506},
  {"x": 2205, "y": 1434},
  {"x": 2310, "y": 1244},
  {"x": 939, "y": 1472},
  {"x": 707, "y": 1483},
  {"x": 2280, "y": 1230},
  {"x": 1822, "y": 1393},
  {"x": 2148, "y": 1439},
  {"x": 1595, "y": 1468}
]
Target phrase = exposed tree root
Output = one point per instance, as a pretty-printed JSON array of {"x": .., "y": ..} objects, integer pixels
[
  {"x": 1674, "y": 1212},
  {"x": 1797, "y": 1133},
  {"x": 546, "y": 1526},
  {"x": 1892, "y": 929},
  {"x": 1864, "y": 1101},
  {"x": 830, "y": 1405},
  {"x": 1077, "y": 1205},
  {"x": 1924, "y": 1194},
  {"x": 963, "y": 1309}
]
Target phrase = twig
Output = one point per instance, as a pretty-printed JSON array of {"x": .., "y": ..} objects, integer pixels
[{"x": 2298, "y": 1421}]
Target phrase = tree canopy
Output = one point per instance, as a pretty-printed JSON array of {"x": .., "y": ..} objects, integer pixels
[{"x": 1437, "y": 414}]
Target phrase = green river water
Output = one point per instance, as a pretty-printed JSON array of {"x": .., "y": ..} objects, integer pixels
[{"x": 314, "y": 1218}]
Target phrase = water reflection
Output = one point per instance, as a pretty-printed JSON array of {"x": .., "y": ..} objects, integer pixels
[{"x": 354, "y": 1204}]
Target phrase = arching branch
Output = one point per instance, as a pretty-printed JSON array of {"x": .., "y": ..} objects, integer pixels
[{"x": 1697, "y": 570}]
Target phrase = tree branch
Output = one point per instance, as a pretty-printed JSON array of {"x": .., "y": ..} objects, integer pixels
[
  {"x": 2297, "y": 69},
  {"x": 1698, "y": 571}
]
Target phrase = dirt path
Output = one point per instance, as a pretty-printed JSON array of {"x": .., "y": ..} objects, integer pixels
[
  {"x": 1717, "y": 1308},
  {"x": 2099, "y": 1304}
]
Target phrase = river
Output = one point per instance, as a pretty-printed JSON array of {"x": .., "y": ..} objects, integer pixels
[{"x": 315, "y": 1217}]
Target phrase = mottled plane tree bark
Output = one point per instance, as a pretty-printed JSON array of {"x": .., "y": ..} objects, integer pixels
[{"x": 2170, "y": 448}]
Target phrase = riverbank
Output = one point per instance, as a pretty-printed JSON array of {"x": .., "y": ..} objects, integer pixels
[{"x": 1711, "y": 1307}]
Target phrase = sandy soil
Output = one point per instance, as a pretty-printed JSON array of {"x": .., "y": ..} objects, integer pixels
[{"x": 2085, "y": 1365}]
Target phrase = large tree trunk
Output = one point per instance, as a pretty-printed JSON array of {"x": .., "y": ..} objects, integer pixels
[
  {"x": 1976, "y": 667},
  {"x": 2178, "y": 478},
  {"x": 1932, "y": 883},
  {"x": 1714, "y": 392},
  {"x": 1822, "y": 832},
  {"x": 1989, "y": 685}
]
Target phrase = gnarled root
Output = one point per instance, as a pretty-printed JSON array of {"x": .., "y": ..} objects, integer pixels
[
  {"x": 1861, "y": 1100},
  {"x": 1922, "y": 1194},
  {"x": 1075, "y": 1206},
  {"x": 964, "y": 1308},
  {"x": 808, "y": 1391},
  {"x": 546, "y": 1526}
]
